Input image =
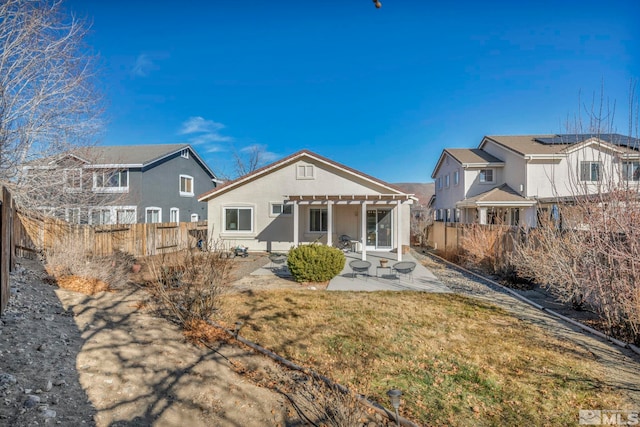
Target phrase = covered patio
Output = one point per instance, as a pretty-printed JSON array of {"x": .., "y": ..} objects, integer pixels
[{"x": 374, "y": 222}]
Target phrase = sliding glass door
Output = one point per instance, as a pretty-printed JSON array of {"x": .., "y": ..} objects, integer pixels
[{"x": 379, "y": 234}]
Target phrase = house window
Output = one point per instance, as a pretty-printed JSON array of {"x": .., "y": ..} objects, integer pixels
[
  {"x": 100, "y": 216},
  {"x": 631, "y": 171},
  {"x": 153, "y": 215},
  {"x": 194, "y": 217},
  {"x": 126, "y": 215},
  {"x": 174, "y": 215},
  {"x": 186, "y": 185},
  {"x": 486, "y": 175},
  {"x": 278, "y": 209},
  {"x": 73, "y": 216},
  {"x": 456, "y": 177},
  {"x": 305, "y": 172},
  {"x": 72, "y": 180},
  {"x": 439, "y": 183},
  {"x": 238, "y": 219},
  {"x": 317, "y": 220},
  {"x": 111, "y": 182},
  {"x": 590, "y": 171},
  {"x": 446, "y": 180},
  {"x": 184, "y": 153}
]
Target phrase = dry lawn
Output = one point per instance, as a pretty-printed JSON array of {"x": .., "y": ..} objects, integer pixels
[{"x": 459, "y": 361}]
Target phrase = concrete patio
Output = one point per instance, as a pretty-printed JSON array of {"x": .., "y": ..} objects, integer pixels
[
  {"x": 385, "y": 279},
  {"x": 377, "y": 279}
]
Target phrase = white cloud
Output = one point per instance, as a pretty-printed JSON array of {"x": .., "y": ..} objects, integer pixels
[
  {"x": 143, "y": 66},
  {"x": 265, "y": 156},
  {"x": 203, "y": 131}
]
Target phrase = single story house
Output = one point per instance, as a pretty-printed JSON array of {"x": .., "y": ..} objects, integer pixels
[{"x": 306, "y": 198}]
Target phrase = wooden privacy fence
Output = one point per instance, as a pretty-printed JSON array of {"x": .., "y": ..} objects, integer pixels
[
  {"x": 450, "y": 237},
  {"x": 33, "y": 234}
]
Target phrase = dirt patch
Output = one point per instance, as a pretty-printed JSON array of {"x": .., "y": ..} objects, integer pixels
[{"x": 74, "y": 359}]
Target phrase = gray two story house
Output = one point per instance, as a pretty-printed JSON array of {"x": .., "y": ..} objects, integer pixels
[{"x": 131, "y": 184}]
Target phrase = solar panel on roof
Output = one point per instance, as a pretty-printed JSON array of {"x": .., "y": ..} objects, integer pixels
[{"x": 612, "y": 138}]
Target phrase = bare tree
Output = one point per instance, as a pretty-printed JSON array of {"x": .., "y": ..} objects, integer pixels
[
  {"x": 588, "y": 253},
  {"x": 48, "y": 101},
  {"x": 249, "y": 159}
]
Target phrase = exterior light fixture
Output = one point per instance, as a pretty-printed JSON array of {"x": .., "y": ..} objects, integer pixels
[{"x": 394, "y": 397}]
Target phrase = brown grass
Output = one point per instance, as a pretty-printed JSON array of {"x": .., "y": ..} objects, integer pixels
[
  {"x": 88, "y": 286},
  {"x": 458, "y": 360}
]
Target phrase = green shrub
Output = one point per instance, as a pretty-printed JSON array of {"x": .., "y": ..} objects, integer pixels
[{"x": 315, "y": 263}]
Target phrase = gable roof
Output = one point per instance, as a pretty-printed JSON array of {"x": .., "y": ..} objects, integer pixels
[
  {"x": 468, "y": 157},
  {"x": 302, "y": 154},
  {"x": 556, "y": 144},
  {"x": 133, "y": 156},
  {"x": 501, "y": 195}
]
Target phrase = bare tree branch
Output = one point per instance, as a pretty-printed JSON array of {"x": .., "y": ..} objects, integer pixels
[{"x": 48, "y": 101}]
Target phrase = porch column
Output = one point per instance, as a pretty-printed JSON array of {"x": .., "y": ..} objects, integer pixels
[
  {"x": 296, "y": 226},
  {"x": 330, "y": 223},
  {"x": 363, "y": 228},
  {"x": 399, "y": 229},
  {"x": 482, "y": 215}
]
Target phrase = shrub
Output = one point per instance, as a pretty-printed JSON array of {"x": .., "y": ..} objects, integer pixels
[
  {"x": 315, "y": 263},
  {"x": 188, "y": 289},
  {"x": 74, "y": 267}
]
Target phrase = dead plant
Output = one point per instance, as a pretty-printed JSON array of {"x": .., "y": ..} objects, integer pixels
[
  {"x": 187, "y": 289},
  {"x": 66, "y": 260}
]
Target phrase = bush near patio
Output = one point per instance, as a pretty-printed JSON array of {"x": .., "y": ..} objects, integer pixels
[{"x": 315, "y": 263}]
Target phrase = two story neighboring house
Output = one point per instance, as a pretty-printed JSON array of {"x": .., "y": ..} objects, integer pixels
[
  {"x": 131, "y": 183},
  {"x": 509, "y": 179}
]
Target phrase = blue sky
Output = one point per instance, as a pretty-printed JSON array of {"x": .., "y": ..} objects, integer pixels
[{"x": 380, "y": 90}]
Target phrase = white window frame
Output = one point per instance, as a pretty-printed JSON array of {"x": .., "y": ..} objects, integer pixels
[
  {"x": 186, "y": 178},
  {"x": 251, "y": 209},
  {"x": 133, "y": 214},
  {"x": 482, "y": 176},
  {"x": 305, "y": 171},
  {"x": 439, "y": 183},
  {"x": 72, "y": 189},
  {"x": 446, "y": 181},
  {"x": 583, "y": 173},
  {"x": 323, "y": 226},
  {"x": 277, "y": 209},
  {"x": 115, "y": 189},
  {"x": 456, "y": 177},
  {"x": 103, "y": 209},
  {"x": 184, "y": 153},
  {"x": 68, "y": 215},
  {"x": 631, "y": 170},
  {"x": 149, "y": 209},
  {"x": 174, "y": 212},
  {"x": 195, "y": 217}
]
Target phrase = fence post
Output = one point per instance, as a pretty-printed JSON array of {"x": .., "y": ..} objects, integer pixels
[{"x": 5, "y": 248}]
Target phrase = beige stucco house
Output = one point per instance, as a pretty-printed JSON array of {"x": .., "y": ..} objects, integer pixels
[{"x": 307, "y": 198}]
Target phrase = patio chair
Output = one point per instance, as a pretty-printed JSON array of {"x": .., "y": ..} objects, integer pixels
[
  {"x": 359, "y": 267},
  {"x": 344, "y": 243},
  {"x": 277, "y": 261},
  {"x": 405, "y": 268}
]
